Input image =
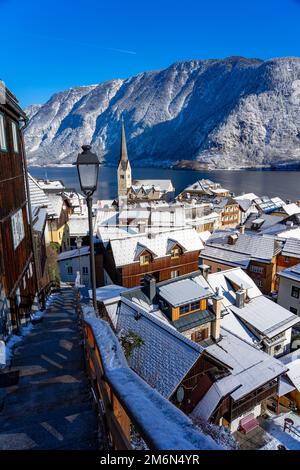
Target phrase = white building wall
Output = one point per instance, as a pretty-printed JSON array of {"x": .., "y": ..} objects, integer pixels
[
  {"x": 285, "y": 298},
  {"x": 236, "y": 422},
  {"x": 77, "y": 264}
]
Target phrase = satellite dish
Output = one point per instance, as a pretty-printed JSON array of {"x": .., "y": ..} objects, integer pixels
[{"x": 180, "y": 394}]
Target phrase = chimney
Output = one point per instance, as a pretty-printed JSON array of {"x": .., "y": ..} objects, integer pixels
[
  {"x": 204, "y": 269},
  {"x": 240, "y": 296},
  {"x": 242, "y": 229},
  {"x": 232, "y": 239},
  {"x": 150, "y": 287},
  {"x": 298, "y": 203},
  {"x": 216, "y": 324}
]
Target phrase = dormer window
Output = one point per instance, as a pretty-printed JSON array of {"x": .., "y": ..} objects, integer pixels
[
  {"x": 145, "y": 259},
  {"x": 176, "y": 252}
]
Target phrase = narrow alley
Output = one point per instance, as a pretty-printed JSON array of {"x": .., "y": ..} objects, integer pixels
[{"x": 49, "y": 405}]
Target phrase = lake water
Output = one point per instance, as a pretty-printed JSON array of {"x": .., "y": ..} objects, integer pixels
[{"x": 285, "y": 184}]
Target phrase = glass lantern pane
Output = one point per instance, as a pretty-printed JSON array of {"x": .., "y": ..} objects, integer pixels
[{"x": 88, "y": 176}]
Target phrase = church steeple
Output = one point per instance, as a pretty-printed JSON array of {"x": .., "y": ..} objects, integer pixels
[
  {"x": 123, "y": 150},
  {"x": 124, "y": 168}
]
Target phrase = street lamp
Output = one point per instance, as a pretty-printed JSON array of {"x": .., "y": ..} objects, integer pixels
[{"x": 87, "y": 164}]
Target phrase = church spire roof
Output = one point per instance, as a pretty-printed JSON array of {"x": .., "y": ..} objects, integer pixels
[{"x": 123, "y": 150}]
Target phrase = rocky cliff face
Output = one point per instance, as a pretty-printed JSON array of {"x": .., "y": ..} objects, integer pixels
[{"x": 233, "y": 112}]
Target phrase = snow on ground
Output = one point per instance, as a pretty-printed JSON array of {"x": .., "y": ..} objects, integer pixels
[
  {"x": 24, "y": 331},
  {"x": 274, "y": 430}
]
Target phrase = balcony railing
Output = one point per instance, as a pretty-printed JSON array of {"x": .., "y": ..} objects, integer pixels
[
  {"x": 124, "y": 399},
  {"x": 247, "y": 405}
]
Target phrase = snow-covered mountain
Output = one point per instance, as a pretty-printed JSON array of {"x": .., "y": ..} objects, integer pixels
[{"x": 231, "y": 112}]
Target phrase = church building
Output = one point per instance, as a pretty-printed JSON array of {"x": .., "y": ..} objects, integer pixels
[{"x": 139, "y": 190}]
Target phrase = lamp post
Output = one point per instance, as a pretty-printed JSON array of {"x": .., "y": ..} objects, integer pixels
[{"x": 87, "y": 164}]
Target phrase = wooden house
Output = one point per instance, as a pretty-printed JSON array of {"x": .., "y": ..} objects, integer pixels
[
  {"x": 165, "y": 255},
  {"x": 17, "y": 269},
  {"x": 255, "y": 254}
]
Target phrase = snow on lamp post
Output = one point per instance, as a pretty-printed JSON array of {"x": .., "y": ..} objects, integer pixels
[{"x": 87, "y": 164}]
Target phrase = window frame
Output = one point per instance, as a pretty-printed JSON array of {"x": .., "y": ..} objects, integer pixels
[
  {"x": 15, "y": 139},
  {"x": 176, "y": 252},
  {"x": 70, "y": 270},
  {"x": 3, "y": 128},
  {"x": 143, "y": 257},
  {"x": 298, "y": 292}
]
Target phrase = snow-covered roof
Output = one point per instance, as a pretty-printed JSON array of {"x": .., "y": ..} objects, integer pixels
[
  {"x": 56, "y": 202},
  {"x": 182, "y": 292},
  {"x": 162, "y": 423},
  {"x": 83, "y": 251},
  {"x": 254, "y": 247},
  {"x": 251, "y": 367},
  {"x": 78, "y": 226},
  {"x": 166, "y": 356},
  {"x": 38, "y": 197},
  {"x": 291, "y": 273},
  {"x": 162, "y": 185},
  {"x": 126, "y": 250},
  {"x": 39, "y": 218},
  {"x": 290, "y": 233},
  {"x": 292, "y": 361},
  {"x": 291, "y": 248},
  {"x": 267, "y": 317},
  {"x": 109, "y": 292},
  {"x": 233, "y": 324},
  {"x": 205, "y": 408},
  {"x": 250, "y": 196},
  {"x": 291, "y": 209},
  {"x": 51, "y": 185},
  {"x": 223, "y": 280}
]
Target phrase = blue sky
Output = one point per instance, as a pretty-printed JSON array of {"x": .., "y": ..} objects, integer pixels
[{"x": 52, "y": 45}]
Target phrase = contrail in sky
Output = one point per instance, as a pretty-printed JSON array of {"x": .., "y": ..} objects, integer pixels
[{"x": 76, "y": 43}]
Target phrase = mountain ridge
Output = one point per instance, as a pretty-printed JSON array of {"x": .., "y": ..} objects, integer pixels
[{"x": 220, "y": 113}]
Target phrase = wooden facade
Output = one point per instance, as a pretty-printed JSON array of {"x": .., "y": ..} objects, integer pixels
[
  {"x": 263, "y": 274},
  {"x": 162, "y": 269},
  {"x": 17, "y": 269}
]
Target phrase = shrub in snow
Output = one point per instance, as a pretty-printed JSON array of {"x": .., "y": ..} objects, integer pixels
[
  {"x": 220, "y": 434},
  {"x": 129, "y": 342}
]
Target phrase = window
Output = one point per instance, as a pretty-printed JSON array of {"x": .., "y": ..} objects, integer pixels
[
  {"x": 294, "y": 310},
  {"x": 200, "y": 335},
  {"x": 175, "y": 252},
  {"x": 70, "y": 270},
  {"x": 286, "y": 259},
  {"x": 2, "y": 134},
  {"x": 184, "y": 309},
  {"x": 17, "y": 225},
  {"x": 195, "y": 305},
  {"x": 257, "y": 269},
  {"x": 219, "y": 270},
  {"x": 15, "y": 136},
  {"x": 145, "y": 259},
  {"x": 174, "y": 274},
  {"x": 259, "y": 282},
  {"x": 295, "y": 292},
  {"x": 85, "y": 270}
]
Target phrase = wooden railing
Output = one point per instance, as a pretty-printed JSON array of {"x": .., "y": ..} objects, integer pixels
[
  {"x": 254, "y": 400},
  {"x": 123, "y": 399}
]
